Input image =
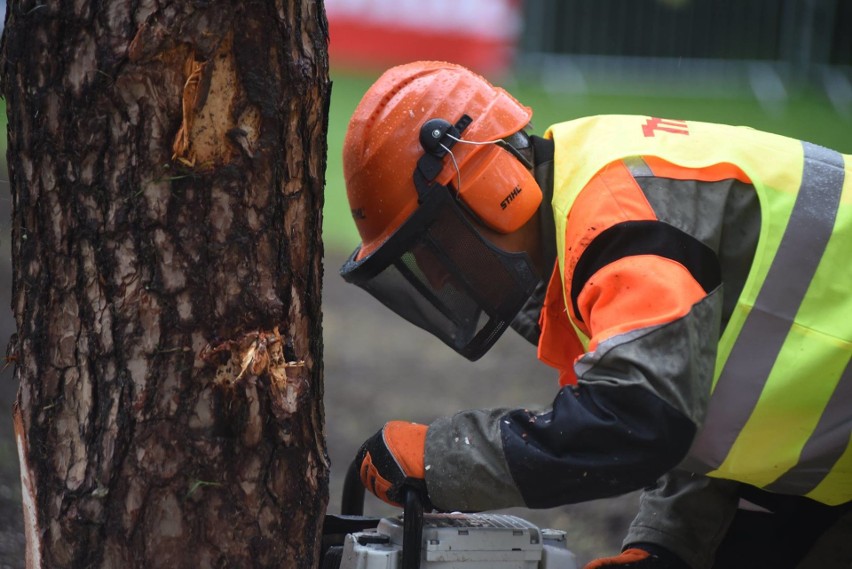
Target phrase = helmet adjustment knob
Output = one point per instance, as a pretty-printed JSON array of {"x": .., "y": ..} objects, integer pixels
[{"x": 432, "y": 136}]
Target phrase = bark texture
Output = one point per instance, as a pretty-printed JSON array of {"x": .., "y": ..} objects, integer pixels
[{"x": 167, "y": 161}]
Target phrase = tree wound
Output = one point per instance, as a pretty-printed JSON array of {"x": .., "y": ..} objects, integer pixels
[{"x": 217, "y": 124}]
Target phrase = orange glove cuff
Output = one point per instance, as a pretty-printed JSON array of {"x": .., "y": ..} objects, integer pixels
[
  {"x": 407, "y": 443},
  {"x": 631, "y": 555}
]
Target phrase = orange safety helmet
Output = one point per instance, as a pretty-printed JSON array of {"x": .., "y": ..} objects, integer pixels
[
  {"x": 424, "y": 157},
  {"x": 382, "y": 147}
]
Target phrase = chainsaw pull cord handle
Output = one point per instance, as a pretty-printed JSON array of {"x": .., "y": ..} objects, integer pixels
[{"x": 412, "y": 529}]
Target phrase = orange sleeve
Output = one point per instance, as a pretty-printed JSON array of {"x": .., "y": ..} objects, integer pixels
[
  {"x": 612, "y": 196},
  {"x": 631, "y": 292},
  {"x": 636, "y": 292}
]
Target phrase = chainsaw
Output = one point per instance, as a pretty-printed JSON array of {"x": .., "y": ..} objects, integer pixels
[{"x": 419, "y": 540}]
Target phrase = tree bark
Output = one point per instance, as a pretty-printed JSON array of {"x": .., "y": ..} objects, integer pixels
[{"x": 167, "y": 159}]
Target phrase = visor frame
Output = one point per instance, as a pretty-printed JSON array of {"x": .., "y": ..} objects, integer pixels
[{"x": 416, "y": 227}]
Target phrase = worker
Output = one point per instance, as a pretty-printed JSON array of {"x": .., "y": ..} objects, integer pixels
[{"x": 690, "y": 281}]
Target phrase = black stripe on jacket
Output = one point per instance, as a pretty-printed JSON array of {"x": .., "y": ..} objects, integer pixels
[{"x": 646, "y": 238}]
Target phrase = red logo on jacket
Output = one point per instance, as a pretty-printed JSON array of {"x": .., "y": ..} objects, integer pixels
[{"x": 653, "y": 125}]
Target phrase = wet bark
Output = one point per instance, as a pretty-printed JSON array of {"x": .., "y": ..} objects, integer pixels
[{"x": 167, "y": 161}]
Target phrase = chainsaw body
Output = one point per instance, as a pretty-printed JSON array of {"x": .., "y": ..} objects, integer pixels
[
  {"x": 418, "y": 540},
  {"x": 460, "y": 541}
]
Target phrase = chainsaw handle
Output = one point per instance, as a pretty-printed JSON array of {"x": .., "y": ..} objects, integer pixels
[
  {"x": 352, "y": 504},
  {"x": 352, "y": 501},
  {"x": 412, "y": 529}
]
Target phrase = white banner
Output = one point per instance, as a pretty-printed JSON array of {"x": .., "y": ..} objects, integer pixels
[{"x": 498, "y": 19}]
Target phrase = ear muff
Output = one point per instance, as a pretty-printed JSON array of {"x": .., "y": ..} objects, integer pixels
[
  {"x": 495, "y": 185},
  {"x": 499, "y": 189}
]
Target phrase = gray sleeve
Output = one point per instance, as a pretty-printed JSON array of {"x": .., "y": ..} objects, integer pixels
[
  {"x": 464, "y": 448},
  {"x": 630, "y": 419},
  {"x": 686, "y": 513},
  {"x": 674, "y": 361}
]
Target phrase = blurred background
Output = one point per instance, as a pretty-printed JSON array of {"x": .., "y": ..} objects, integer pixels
[{"x": 780, "y": 65}]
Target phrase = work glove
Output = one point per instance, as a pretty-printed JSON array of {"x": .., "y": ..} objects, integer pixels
[
  {"x": 640, "y": 556},
  {"x": 392, "y": 460}
]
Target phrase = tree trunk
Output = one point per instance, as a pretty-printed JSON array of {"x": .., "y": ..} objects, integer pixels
[{"x": 166, "y": 159}]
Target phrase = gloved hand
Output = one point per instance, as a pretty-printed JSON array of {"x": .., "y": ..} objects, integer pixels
[
  {"x": 393, "y": 459},
  {"x": 640, "y": 556}
]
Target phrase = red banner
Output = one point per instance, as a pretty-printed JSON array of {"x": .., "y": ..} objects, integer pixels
[{"x": 479, "y": 34}]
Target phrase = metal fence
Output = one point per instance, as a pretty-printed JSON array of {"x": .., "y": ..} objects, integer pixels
[{"x": 712, "y": 47}]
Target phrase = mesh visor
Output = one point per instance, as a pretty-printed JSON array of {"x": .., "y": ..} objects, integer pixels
[{"x": 438, "y": 273}]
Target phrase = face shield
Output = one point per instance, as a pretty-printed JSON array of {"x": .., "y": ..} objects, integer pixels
[{"x": 440, "y": 274}]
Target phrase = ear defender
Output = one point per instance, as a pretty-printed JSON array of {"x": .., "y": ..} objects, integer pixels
[
  {"x": 499, "y": 189},
  {"x": 492, "y": 182}
]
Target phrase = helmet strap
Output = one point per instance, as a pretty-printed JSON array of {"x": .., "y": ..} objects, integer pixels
[{"x": 437, "y": 137}]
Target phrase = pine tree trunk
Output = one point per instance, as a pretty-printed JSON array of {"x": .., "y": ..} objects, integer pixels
[{"x": 166, "y": 160}]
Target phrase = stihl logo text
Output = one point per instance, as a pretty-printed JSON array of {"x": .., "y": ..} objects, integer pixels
[{"x": 508, "y": 199}]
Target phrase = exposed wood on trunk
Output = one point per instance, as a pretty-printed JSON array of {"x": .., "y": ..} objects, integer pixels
[{"x": 166, "y": 162}]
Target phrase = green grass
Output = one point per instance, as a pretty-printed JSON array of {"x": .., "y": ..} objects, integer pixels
[
  {"x": 338, "y": 228},
  {"x": 808, "y": 117}
]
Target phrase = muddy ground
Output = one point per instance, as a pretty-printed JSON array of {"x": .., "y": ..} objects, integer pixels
[{"x": 377, "y": 367}]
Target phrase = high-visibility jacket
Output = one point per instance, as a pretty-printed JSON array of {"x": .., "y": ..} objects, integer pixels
[
  {"x": 780, "y": 414},
  {"x": 692, "y": 259}
]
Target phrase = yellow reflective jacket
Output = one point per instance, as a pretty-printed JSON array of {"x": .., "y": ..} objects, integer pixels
[{"x": 779, "y": 416}]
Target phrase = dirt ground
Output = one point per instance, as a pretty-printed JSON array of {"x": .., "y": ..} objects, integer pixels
[{"x": 377, "y": 367}]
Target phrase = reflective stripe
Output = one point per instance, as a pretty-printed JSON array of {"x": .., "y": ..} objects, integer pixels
[
  {"x": 836, "y": 487},
  {"x": 826, "y": 444},
  {"x": 767, "y": 325},
  {"x": 638, "y": 167}
]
